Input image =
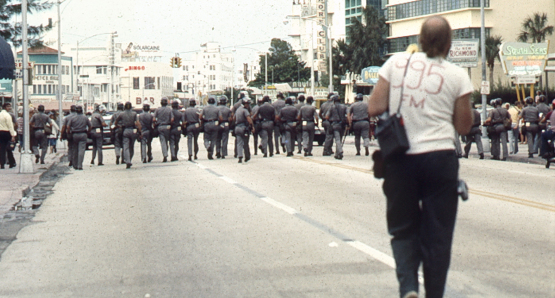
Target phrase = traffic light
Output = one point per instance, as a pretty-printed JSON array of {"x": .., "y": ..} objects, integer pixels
[
  {"x": 172, "y": 62},
  {"x": 178, "y": 62}
]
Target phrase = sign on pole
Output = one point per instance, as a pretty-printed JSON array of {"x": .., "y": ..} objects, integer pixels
[
  {"x": 464, "y": 53},
  {"x": 525, "y": 79},
  {"x": 370, "y": 74},
  {"x": 484, "y": 90}
]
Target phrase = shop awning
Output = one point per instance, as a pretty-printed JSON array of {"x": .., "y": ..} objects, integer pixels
[{"x": 7, "y": 63}]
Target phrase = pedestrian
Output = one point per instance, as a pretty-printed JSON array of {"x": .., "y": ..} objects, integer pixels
[
  {"x": 360, "y": 122},
  {"x": 67, "y": 135},
  {"x": 498, "y": 132},
  {"x": 7, "y": 135},
  {"x": 299, "y": 105},
  {"x": 543, "y": 109},
  {"x": 421, "y": 185},
  {"x": 97, "y": 133},
  {"x": 117, "y": 132},
  {"x": 289, "y": 117},
  {"x": 191, "y": 121},
  {"x": 223, "y": 132},
  {"x": 278, "y": 126},
  {"x": 20, "y": 130},
  {"x": 163, "y": 121},
  {"x": 475, "y": 135},
  {"x": 309, "y": 118},
  {"x": 176, "y": 130},
  {"x": 129, "y": 121},
  {"x": 267, "y": 115},
  {"x": 324, "y": 109},
  {"x": 257, "y": 124},
  {"x": 210, "y": 118},
  {"x": 38, "y": 123},
  {"x": 243, "y": 127},
  {"x": 548, "y": 135},
  {"x": 514, "y": 111},
  {"x": 236, "y": 106},
  {"x": 79, "y": 126},
  {"x": 54, "y": 135},
  {"x": 337, "y": 117},
  {"x": 147, "y": 127},
  {"x": 530, "y": 115}
]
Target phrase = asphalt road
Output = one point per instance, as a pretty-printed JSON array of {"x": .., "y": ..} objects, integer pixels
[{"x": 272, "y": 227}]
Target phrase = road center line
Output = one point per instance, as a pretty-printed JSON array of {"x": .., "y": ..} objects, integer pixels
[{"x": 279, "y": 205}]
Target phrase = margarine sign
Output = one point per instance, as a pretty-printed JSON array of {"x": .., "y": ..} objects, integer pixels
[{"x": 519, "y": 59}]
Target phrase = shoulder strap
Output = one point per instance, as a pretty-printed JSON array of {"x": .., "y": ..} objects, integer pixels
[{"x": 402, "y": 86}]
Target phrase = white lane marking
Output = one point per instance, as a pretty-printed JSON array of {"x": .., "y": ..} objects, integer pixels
[
  {"x": 201, "y": 166},
  {"x": 228, "y": 180},
  {"x": 374, "y": 253},
  {"x": 279, "y": 205},
  {"x": 333, "y": 244}
]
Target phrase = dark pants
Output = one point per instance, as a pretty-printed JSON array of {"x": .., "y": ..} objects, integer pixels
[
  {"x": 175, "y": 136},
  {"x": 267, "y": 141},
  {"x": 193, "y": 131},
  {"x": 223, "y": 138},
  {"x": 299, "y": 138},
  {"x": 97, "y": 139},
  {"x": 256, "y": 134},
  {"x": 242, "y": 141},
  {"x": 361, "y": 129},
  {"x": 164, "y": 136},
  {"x": 79, "y": 146},
  {"x": 210, "y": 136},
  {"x": 290, "y": 136},
  {"x": 118, "y": 141},
  {"x": 328, "y": 143},
  {"x": 531, "y": 133},
  {"x": 308, "y": 135},
  {"x": 476, "y": 137},
  {"x": 337, "y": 131},
  {"x": 42, "y": 142},
  {"x": 547, "y": 136},
  {"x": 5, "y": 139},
  {"x": 422, "y": 202},
  {"x": 146, "y": 148},
  {"x": 129, "y": 136},
  {"x": 278, "y": 138}
]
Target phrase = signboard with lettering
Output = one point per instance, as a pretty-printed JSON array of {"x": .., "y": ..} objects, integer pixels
[
  {"x": 519, "y": 58},
  {"x": 370, "y": 74},
  {"x": 464, "y": 52},
  {"x": 19, "y": 64},
  {"x": 321, "y": 34}
]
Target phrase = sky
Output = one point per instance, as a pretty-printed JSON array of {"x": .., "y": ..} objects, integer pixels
[{"x": 176, "y": 26}]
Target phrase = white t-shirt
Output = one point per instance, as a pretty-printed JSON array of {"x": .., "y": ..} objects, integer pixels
[{"x": 431, "y": 87}]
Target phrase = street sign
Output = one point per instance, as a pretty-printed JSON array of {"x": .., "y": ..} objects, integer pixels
[
  {"x": 19, "y": 64},
  {"x": 525, "y": 79},
  {"x": 485, "y": 88},
  {"x": 464, "y": 53}
]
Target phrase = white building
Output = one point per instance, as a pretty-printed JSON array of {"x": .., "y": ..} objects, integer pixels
[
  {"x": 209, "y": 71},
  {"x": 247, "y": 72}
]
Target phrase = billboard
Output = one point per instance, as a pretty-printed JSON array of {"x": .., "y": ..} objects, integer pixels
[
  {"x": 370, "y": 74},
  {"x": 521, "y": 59},
  {"x": 464, "y": 52}
]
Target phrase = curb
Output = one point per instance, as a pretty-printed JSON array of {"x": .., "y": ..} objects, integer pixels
[{"x": 26, "y": 189}]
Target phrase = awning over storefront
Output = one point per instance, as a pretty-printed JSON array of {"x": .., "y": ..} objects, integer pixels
[{"x": 7, "y": 63}]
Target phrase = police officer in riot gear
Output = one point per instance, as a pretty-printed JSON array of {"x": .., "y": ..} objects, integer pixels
[
  {"x": 97, "y": 133},
  {"x": 163, "y": 121},
  {"x": 129, "y": 121},
  {"x": 530, "y": 114},
  {"x": 223, "y": 132},
  {"x": 498, "y": 132},
  {"x": 267, "y": 116},
  {"x": 299, "y": 105},
  {"x": 67, "y": 136},
  {"x": 278, "y": 127},
  {"x": 475, "y": 135},
  {"x": 192, "y": 123},
  {"x": 38, "y": 123},
  {"x": 175, "y": 132},
  {"x": 336, "y": 115},
  {"x": 309, "y": 118},
  {"x": 210, "y": 118},
  {"x": 360, "y": 122},
  {"x": 79, "y": 125},
  {"x": 289, "y": 116},
  {"x": 117, "y": 132},
  {"x": 543, "y": 109},
  {"x": 257, "y": 124},
  {"x": 147, "y": 126},
  {"x": 243, "y": 122},
  {"x": 324, "y": 109}
]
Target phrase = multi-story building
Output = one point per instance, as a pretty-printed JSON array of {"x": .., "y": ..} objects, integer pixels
[
  {"x": 209, "y": 71},
  {"x": 503, "y": 18},
  {"x": 353, "y": 9}
]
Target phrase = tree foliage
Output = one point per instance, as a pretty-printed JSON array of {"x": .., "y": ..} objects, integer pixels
[
  {"x": 286, "y": 65},
  {"x": 492, "y": 53},
  {"x": 12, "y": 32},
  {"x": 535, "y": 28}
]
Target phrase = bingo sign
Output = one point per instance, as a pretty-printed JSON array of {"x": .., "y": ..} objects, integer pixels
[
  {"x": 464, "y": 53},
  {"x": 321, "y": 34},
  {"x": 370, "y": 74}
]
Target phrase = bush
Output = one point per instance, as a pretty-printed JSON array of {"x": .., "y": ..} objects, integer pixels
[{"x": 506, "y": 92}]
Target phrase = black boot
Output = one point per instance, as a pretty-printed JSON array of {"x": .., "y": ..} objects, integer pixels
[
  {"x": 481, "y": 155},
  {"x": 190, "y": 158},
  {"x": 240, "y": 160},
  {"x": 92, "y": 161},
  {"x": 358, "y": 152},
  {"x": 210, "y": 156},
  {"x": 165, "y": 159},
  {"x": 218, "y": 155},
  {"x": 117, "y": 160},
  {"x": 367, "y": 152}
]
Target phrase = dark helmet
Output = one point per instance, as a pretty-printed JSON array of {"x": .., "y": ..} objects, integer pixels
[
  {"x": 72, "y": 108},
  {"x": 164, "y": 101},
  {"x": 246, "y": 101},
  {"x": 330, "y": 95},
  {"x": 266, "y": 98},
  {"x": 120, "y": 106},
  {"x": 309, "y": 100},
  {"x": 128, "y": 105},
  {"x": 492, "y": 102},
  {"x": 79, "y": 109},
  {"x": 146, "y": 107},
  {"x": 301, "y": 98},
  {"x": 360, "y": 96},
  {"x": 529, "y": 100},
  {"x": 242, "y": 95},
  {"x": 335, "y": 97},
  {"x": 192, "y": 102},
  {"x": 41, "y": 108},
  {"x": 280, "y": 95},
  {"x": 211, "y": 100},
  {"x": 289, "y": 101},
  {"x": 542, "y": 98},
  {"x": 175, "y": 104},
  {"x": 223, "y": 99}
]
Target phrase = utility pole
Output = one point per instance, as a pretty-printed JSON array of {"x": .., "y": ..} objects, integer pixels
[
  {"x": 60, "y": 109},
  {"x": 483, "y": 53},
  {"x": 26, "y": 161},
  {"x": 266, "y": 71}
]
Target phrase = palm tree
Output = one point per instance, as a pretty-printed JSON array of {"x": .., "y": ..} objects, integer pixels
[
  {"x": 12, "y": 32},
  {"x": 492, "y": 52},
  {"x": 535, "y": 28}
]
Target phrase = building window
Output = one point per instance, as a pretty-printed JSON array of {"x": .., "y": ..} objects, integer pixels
[
  {"x": 425, "y": 7},
  {"x": 34, "y": 89},
  {"x": 400, "y": 44},
  {"x": 158, "y": 86},
  {"x": 136, "y": 83},
  {"x": 99, "y": 70},
  {"x": 150, "y": 83},
  {"x": 49, "y": 89}
]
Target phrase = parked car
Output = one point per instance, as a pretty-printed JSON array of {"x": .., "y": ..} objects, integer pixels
[{"x": 106, "y": 138}]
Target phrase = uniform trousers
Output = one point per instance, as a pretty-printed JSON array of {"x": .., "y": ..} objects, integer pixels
[
  {"x": 361, "y": 129},
  {"x": 299, "y": 134},
  {"x": 42, "y": 142},
  {"x": 531, "y": 133},
  {"x": 477, "y": 138},
  {"x": 5, "y": 138},
  {"x": 242, "y": 140},
  {"x": 278, "y": 138},
  {"x": 210, "y": 136},
  {"x": 97, "y": 139},
  {"x": 308, "y": 135},
  {"x": 193, "y": 131},
  {"x": 422, "y": 203},
  {"x": 337, "y": 132},
  {"x": 513, "y": 138},
  {"x": 175, "y": 136},
  {"x": 256, "y": 134},
  {"x": 129, "y": 137},
  {"x": 290, "y": 136},
  {"x": 223, "y": 138},
  {"x": 146, "y": 145},
  {"x": 118, "y": 141},
  {"x": 328, "y": 143},
  {"x": 164, "y": 136},
  {"x": 498, "y": 141},
  {"x": 79, "y": 146},
  {"x": 70, "y": 149},
  {"x": 267, "y": 143}
]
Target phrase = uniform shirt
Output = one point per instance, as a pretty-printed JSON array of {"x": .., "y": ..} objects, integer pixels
[
  {"x": 79, "y": 123},
  {"x": 114, "y": 117},
  {"x": 191, "y": 115},
  {"x": 6, "y": 123},
  {"x": 359, "y": 111},
  {"x": 96, "y": 120},
  {"x": 324, "y": 108},
  {"x": 497, "y": 115},
  {"x": 39, "y": 120},
  {"x": 477, "y": 120},
  {"x": 241, "y": 115},
  {"x": 211, "y": 113},
  {"x": 225, "y": 112},
  {"x": 255, "y": 112},
  {"x": 543, "y": 108},
  {"x": 127, "y": 119},
  {"x": 267, "y": 112},
  {"x": 530, "y": 114},
  {"x": 308, "y": 112},
  {"x": 163, "y": 115},
  {"x": 432, "y": 85},
  {"x": 145, "y": 118},
  {"x": 177, "y": 118},
  {"x": 337, "y": 112},
  {"x": 300, "y": 105},
  {"x": 288, "y": 114},
  {"x": 278, "y": 105}
]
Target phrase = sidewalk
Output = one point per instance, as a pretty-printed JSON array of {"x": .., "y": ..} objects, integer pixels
[{"x": 14, "y": 186}]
